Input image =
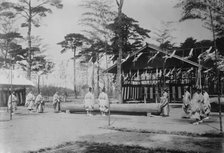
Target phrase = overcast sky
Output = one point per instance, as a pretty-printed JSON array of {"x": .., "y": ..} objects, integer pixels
[{"x": 149, "y": 13}]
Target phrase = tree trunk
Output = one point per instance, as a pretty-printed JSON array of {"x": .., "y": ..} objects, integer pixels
[
  {"x": 93, "y": 83},
  {"x": 29, "y": 43},
  {"x": 74, "y": 67},
  {"x": 98, "y": 76},
  {"x": 107, "y": 83},
  {"x": 119, "y": 83},
  {"x": 7, "y": 50},
  {"x": 38, "y": 83}
]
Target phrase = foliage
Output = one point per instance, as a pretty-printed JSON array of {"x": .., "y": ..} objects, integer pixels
[
  {"x": 212, "y": 15},
  {"x": 72, "y": 41},
  {"x": 188, "y": 43},
  {"x": 8, "y": 48},
  {"x": 207, "y": 58},
  {"x": 205, "y": 10},
  {"x": 8, "y": 38},
  {"x": 96, "y": 18},
  {"x": 130, "y": 32},
  {"x": 90, "y": 53},
  {"x": 40, "y": 63},
  {"x": 163, "y": 35},
  {"x": 31, "y": 12},
  {"x": 50, "y": 90}
]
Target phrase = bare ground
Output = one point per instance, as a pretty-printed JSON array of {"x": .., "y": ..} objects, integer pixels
[{"x": 52, "y": 132}]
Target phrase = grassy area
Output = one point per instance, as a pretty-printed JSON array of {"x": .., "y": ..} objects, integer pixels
[
  {"x": 182, "y": 133},
  {"x": 88, "y": 147}
]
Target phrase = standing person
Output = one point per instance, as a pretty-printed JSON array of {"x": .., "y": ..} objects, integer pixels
[
  {"x": 103, "y": 102},
  {"x": 89, "y": 102},
  {"x": 30, "y": 98},
  {"x": 206, "y": 104},
  {"x": 12, "y": 102},
  {"x": 196, "y": 106},
  {"x": 56, "y": 102},
  {"x": 39, "y": 102},
  {"x": 186, "y": 102},
  {"x": 164, "y": 103}
]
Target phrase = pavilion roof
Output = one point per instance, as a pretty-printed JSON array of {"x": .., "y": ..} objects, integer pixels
[
  {"x": 13, "y": 78},
  {"x": 139, "y": 60}
]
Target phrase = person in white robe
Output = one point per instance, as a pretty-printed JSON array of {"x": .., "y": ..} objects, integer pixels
[
  {"x": 89, "y": 102},
  {"x": 196, "y": 106},
  {"x": 164, "y": 103},
  {"x": 186, "y": 102},
  {"x": 103, "y": 102},
  {"x": 39, "y": 102},
  {"x": 206, "y": 105},
  {"x": 30, "y": 98},
  {"x": 56, "y": 102},
  {"x": 12, "y": 102}
]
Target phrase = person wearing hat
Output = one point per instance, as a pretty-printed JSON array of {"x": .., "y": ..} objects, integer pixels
[
  {"x": 196, "y": 106},
  {"x": 206, "y": 104},
  {"x": 89, "y": 102},
  {"x": 164, "y": 107},
  {"x": 56, "y": 102},
  {"x": 12, "y": 102},
  {"x": 103, "y": 102},
  {"x": 186, "y": 102},
  {"x": 30, "y": 98},
  {"x": 39, "y": 102}
]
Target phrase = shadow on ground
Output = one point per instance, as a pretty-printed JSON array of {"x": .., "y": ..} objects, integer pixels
[{"x": 88, "y": 147}]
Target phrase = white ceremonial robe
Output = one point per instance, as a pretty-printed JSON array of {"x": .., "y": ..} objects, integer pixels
[{"x": 103, "y": 102}]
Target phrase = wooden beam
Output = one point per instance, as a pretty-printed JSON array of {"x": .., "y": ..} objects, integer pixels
[{"x": 175, "y": 56}]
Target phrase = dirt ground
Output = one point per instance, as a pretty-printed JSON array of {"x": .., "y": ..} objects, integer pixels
[{"x": 35, "y": 132}]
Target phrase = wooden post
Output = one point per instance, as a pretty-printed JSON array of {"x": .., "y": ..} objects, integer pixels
[
  {"x": 109, "y": 112},
  {"x": 74, "y": 70},
  {"x": 38, "y": 83},
  {"x": 11, "y": 91}
]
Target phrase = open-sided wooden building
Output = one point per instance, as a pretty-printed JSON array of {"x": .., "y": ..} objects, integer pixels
[
  {"x": 13, "y": 80},
  {"x": 146, "y": 71}
]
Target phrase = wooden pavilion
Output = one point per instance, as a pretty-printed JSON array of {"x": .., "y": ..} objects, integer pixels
[
  {"x": 15, "y": 81},
  {"x": 146, "y": 71}
]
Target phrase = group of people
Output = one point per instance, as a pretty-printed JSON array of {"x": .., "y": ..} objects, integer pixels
[
  {"x": 197, "y": 106},
  {"x": 102, "y": 99},
  {"x": 33, "y": 103},
  {"x": 36, "y": 104}
]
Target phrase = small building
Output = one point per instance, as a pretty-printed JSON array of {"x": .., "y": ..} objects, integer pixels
[
  {"x": 146, "y": 71},
  {"x": 13, "y": 80}
]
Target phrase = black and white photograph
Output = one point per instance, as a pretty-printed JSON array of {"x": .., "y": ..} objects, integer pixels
[{"x": 111, "y": 76}]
